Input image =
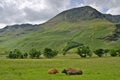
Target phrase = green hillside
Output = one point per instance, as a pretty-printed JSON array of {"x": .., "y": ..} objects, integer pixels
[
  {"x": 58, "y": 31},
  {"x": 86, "y": 32}
]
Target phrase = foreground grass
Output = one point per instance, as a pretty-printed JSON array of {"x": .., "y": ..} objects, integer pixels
[{"x": 36, "y": 69}]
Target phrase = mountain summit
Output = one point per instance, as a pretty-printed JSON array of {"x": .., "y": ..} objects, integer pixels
[
  {"x": 78, "y": 14},
  {"x": 84, "y": 13}
]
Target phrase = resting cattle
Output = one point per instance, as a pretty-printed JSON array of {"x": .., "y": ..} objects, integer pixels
[
  {"x": 52, "y": 71},
  {"x": 72, "y": 71}
]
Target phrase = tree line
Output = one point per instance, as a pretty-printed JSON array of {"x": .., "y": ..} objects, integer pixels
[
  {"x": 33, "y": 54},
  {"x": 82, "y": 51}
]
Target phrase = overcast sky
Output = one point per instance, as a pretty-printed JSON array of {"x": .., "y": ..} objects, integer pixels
[{"x": 39, "y": 11}]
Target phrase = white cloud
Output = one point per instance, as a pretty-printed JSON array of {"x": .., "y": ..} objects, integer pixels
[
  {"x": 2, "y": 25},
  {"x": 105, "y": 6},
  {"x": 115, "y": 11},
  {"x": 32, "y": 11},
  {"x": 37, "y": 11}
]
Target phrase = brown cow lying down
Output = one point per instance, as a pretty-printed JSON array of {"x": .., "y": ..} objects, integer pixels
[
  {"x": 72, "y": 71},
  {"x": 52, "y": 71}
]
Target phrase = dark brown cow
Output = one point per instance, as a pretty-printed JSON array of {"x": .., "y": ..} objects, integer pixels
[
  {"x": 72, "y": 71},
  {"x": 52, "y": 71}
]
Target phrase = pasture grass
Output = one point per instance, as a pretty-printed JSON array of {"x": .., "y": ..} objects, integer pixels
[{"x": 105, "y": 68}]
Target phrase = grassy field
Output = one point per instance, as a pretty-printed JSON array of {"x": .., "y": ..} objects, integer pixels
[{"x": 106, "y": 68}]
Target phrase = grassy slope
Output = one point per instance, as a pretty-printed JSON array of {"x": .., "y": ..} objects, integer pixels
[
  {"x": 28, "y": 69},
  {"x": 56, "y": 36}
]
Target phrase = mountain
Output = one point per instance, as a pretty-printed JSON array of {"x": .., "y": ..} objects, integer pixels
[
  {"x": 17, "y": 30},
  {"x": 112, "y": 18},
  {"x": 84, "y": 25},
  {"x": 24, "y": 27},
  {"x": 84, "y": 13},
  {"x": 78, "y": 14}
]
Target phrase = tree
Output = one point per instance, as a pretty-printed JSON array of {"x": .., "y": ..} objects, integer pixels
[
  {"x": 34, "y": 53},
  {"x": 99, "y": 52},
  {"x": 84, "y": 51},
  {"x": 11, "y": 55},
  {"x": 25, "y": 55},
  {"x": 89, "y": 54},
  {"x": 49, "y": 53},
  {"x": 106, "y": 51},
  {"x": 15, "y": 54},
  {"x": 118, "y": 52},
  {"x": 38, "y": 54},
  {"x": 113, "y": 52},
  {"x": 18, "y": 53}
]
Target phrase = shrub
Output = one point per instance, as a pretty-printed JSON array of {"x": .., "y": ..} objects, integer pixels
[
  {"x": 49, "y": 53},
  {"x": 118, "y": 52},
  {"x": 11, "y": 55},
  {"x": 38, "y": 54},
  {"x": 34, "y": 53},
  {"x": 25, "y": 55},
  {"x": 99, "y": 52},
  {"x": 15, "y": 54},
  {"x": 106, "y": 51},
  {"x": 18, "y": 53},
  {"x": 113, "y": 52},
  {"x": 89, "y": 54},
  {"x": 83, "y": 51}
]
